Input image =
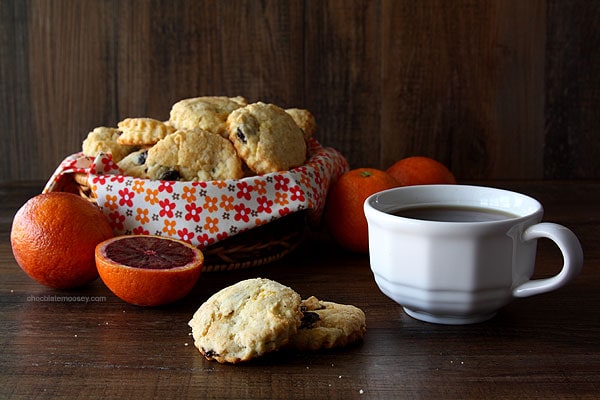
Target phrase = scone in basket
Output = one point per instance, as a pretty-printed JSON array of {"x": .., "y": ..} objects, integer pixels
[{"x": 237, "y": 223}]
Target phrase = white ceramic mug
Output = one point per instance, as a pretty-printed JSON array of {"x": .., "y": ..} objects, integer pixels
[{"x": 461, "y": 272}]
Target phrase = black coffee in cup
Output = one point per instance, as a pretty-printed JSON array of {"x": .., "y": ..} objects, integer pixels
[{"x": 450, "y": 213}]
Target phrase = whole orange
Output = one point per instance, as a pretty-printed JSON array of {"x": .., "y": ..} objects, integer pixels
[
  {"x": 53, "y": 237},
  {"x": 344, "y": 215},
  {"x": 419, "y": 170},
  {"x": 148, "y": 270}
]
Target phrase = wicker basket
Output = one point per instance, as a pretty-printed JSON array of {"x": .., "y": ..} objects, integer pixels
[
  {"x": 299, "y": 194},
  {"x": 258, "y": 246}
]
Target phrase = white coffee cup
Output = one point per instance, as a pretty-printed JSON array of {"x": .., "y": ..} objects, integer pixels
[{"x": 461, "y": 272}]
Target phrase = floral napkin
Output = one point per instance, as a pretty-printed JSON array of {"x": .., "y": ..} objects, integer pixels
[{"x": 203, "y": 213}]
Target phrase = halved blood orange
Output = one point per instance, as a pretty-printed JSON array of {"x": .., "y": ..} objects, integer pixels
[{"x": 148, "y": 270}]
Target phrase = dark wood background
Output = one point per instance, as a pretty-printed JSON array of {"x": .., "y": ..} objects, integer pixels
[{"x": 499, "y": 89}]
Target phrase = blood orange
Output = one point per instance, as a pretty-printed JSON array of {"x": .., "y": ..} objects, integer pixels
[
  {"x": 148, "y": 270},
  {"x": 53, "y": 237}
]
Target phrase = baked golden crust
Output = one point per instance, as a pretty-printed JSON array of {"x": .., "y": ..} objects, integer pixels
[
  {"x": 206, "y": 112},
  {"x": 305, "y": 121},
  {"x": 105, "y": 140},
  {"x": 193, "y": 155},
  {"x": 256, "y": 138},
  {"x": 246, "y": 320},
  {"x": 326, "y": 325},
  {"x": 142, "y": 131},
  {"x": 266, "y": 138}
]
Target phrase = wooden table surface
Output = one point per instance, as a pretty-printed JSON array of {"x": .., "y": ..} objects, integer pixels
[{"x": 87, "y": 343}]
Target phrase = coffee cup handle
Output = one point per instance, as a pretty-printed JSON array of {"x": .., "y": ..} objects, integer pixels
[{"x": 572, "y": 258}]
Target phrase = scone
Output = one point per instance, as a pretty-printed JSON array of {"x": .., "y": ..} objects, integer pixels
[
  {"x": 134, "y": 164},
  {"x": 104, "y": 140},
  {"x": 196, "y": 155},
  {"x": 246, "y": 320},
  {"x": 266, "y": 138},
  {"x": 207, "y": 112},
  {"x": 305, "y": 120},
  {"x": 143, "y": 131},
  {"x": 326, "y": 325}
]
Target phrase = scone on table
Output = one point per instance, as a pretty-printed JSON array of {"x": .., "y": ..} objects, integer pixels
[
  {"x": 246, "y": 320},
  {"x": 257, "y": 316},
  {"x": 326, "y": 325}
]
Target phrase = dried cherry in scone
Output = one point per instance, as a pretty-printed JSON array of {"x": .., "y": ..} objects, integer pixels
[
  {"x": 209, "y": 354},
  {"x": 142, "y": 157},
  {"x": 169, "y": 175},
  {"x": 241, "y": 135},
  {"x": 309, "y": 319}
]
